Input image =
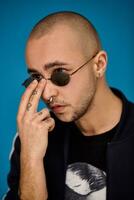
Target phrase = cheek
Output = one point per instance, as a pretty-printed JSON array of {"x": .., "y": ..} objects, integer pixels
[
  {"x": 75, "y": 90},
  {"x": 80, "y": 85}
]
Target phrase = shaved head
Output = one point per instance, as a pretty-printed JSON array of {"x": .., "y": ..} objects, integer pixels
[{"x": 77, "y": 23}]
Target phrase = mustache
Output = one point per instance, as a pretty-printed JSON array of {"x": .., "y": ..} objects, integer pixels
[{"x": 56, "y": 102}]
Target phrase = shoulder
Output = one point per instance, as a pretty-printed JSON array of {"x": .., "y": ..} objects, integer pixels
[
  {"x": 126, "y": 125},
  {"x": 128, "y": 106}
]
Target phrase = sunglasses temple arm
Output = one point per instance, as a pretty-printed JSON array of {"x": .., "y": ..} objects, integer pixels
[
  {"x": 83, "y": 65},
  {"x": 79, "y": 68}
]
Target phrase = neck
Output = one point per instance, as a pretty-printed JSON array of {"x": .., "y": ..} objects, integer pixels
[{"x": 102, "y": 115}]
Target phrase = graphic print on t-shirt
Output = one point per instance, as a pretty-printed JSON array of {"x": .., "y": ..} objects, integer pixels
[{"x": 85, "y": 182}]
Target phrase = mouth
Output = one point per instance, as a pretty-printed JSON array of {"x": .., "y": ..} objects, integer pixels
[{"x": 58, "y": 108}]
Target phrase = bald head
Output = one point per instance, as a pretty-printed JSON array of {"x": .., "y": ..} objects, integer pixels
[{"x": 82, "y": 27}]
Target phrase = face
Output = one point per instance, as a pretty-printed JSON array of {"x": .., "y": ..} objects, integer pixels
[
  {"x": 63, "y": 49},
  {"x": 77, "y": 184}
]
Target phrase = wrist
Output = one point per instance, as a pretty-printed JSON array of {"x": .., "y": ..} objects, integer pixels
[{"x": 31, "y": 157}]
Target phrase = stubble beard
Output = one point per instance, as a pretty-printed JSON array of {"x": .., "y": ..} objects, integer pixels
[
  {"x": 78, "y": 112},
  {"x": 85, "y": 106}
]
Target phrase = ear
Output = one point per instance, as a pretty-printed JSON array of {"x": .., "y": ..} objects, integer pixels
[{"x": 100, "y": 64}]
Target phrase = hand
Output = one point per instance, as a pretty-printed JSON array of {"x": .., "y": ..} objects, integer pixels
[{"x": 33, "y": 126}]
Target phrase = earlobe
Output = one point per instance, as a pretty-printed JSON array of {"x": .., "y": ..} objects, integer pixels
[
  {"x": 100, "y": 65},
  {"x": 98, "y": 74}
]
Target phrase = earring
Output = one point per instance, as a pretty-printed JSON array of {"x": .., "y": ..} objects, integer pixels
[{"x": 99, "y": 75}]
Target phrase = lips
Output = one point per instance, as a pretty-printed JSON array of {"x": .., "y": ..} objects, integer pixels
[{"x": 57, "y": 108}]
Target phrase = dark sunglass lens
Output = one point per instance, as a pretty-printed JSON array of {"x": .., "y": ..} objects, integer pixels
[
  {"x": 27, "y": 82},
  {"x": 60, "y": 78}
]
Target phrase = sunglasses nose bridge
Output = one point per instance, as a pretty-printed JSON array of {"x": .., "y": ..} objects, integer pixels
[{"x": 47, "y": 79}]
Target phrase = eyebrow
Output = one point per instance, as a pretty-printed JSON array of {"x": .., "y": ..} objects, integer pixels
[{"x": 48, "y": 66}]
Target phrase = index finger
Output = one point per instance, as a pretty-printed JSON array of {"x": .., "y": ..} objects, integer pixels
[
  {"x": 25, "y": 98},
  {"x": 35, "y": 97}
]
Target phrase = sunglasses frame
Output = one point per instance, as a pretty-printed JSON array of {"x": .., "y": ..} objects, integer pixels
[{"x": 66, "y": 81}]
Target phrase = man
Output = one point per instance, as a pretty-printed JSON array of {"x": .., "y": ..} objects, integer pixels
[{"x": 83, "y": 148}]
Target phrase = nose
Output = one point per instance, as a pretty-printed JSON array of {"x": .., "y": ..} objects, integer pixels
[{"x": 50, "y": 90}]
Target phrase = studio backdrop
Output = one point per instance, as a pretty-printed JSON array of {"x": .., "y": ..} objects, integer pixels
[{"x": 112, "y": 18}]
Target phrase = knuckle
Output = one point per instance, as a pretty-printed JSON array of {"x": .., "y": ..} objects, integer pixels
[
  {"x": 51, "y": 124},
  {"x": 46, "y": 111},
  {"x": 50, "y": 121}
]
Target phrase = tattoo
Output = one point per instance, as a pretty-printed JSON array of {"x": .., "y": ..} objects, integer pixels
[
  {"x": 40, "y": 113},
  {"x": 28, "y": 106},
  {"x": 34, "y": 92},
  {"x": 31, "y": 99}
]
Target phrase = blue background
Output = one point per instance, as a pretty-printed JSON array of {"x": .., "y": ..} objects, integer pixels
[{"x": 114, "y": 21}]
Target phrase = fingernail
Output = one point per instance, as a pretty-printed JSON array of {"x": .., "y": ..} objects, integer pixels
[
  {"x": 42, "y": 80},
  {"x": 34, "y": 81}
]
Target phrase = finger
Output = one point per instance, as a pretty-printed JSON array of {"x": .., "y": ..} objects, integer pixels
[
  {"x": 35, "y": 97},
  {"x": 42, "y": 115},
  {"x": 49, "y": 123},
  {"x": 25, "y": 98}
]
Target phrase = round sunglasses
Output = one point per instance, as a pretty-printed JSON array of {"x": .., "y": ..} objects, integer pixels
[{"x": 58, "y": 77}]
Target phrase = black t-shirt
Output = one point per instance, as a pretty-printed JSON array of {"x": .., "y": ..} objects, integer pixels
[
  {"x": 86, "y": 172},
  {"x": 89, "y": 149}
]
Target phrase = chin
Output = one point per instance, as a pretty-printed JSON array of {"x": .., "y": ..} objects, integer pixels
[{"x": 64, "y": 117}]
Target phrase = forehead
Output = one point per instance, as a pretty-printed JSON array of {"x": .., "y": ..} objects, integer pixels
[{"x": 61, "y": 40}]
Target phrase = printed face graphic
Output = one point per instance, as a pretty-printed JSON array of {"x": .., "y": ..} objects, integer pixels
[{"x": 85, "y": 182}]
